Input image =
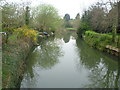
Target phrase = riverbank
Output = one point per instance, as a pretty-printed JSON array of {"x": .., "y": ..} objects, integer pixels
[
  {"x": 102, "y": 42},
  {"x": 14, "y": 54}
]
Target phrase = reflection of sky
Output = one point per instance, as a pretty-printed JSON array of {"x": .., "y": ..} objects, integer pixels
[
  {"x": 64, "y": 74},
  {"x": 70, "y": 72}
]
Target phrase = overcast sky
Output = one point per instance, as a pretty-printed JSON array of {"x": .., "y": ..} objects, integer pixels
[{"x": 71, "y": 7}]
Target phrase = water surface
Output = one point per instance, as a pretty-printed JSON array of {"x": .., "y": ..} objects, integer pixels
[{"x": 68, "y": 62}]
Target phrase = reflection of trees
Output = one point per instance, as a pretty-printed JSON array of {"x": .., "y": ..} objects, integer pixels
[
  {"x": 66, "y": 37},
  {"x": 31, "y": 61},
  {"x": 117, "y": 81},
  {"x": 47, "y": 54},
  {"x": 86, "y": 54},
  {"x": 104, "y": 70},
  {"x": 65, "y": 34}
]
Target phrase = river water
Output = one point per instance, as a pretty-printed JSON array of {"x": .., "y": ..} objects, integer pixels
[{"x": 68, "y": 62}]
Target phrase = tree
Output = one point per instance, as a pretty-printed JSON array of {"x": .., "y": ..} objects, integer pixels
[
  {"x": 99, "y": 18},
  {"x": 27, "y": 16},
  {"x": 77, "y": 16},
  {"x": 45, "y": 17},
  {"x": 13, "y": 15},
  {"x": 77, "y": 21},
  {"x": 67, "y": 17},
  {"x": 8, "y": 12},
  {"x": 67, "y": 23}
]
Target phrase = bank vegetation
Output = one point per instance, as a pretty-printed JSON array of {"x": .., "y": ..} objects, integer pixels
[{"x": 99, "y": 26}]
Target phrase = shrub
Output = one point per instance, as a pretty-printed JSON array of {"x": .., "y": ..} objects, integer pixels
[
  {"x": 26, "y": 32},
  {"x": 83, "y": 27},
  {"x": 98, "y": 40},
  {"x": 8, "y": 30}
]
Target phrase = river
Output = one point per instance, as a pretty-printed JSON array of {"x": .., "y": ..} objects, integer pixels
[{"x": 68, "y": 62}]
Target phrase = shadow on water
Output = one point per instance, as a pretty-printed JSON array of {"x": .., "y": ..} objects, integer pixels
[{"x": 105, "y": 69}]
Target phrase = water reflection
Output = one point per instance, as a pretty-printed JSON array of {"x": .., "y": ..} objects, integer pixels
[
  {"x": 65, "y": 35},
  {"x": 48, "y": 53},
  {"x": 44, "y": 56},
  {"x": 47, "y": 67},
  {"x": 103, "y": 70},
  {"x": 117, "y": 81}
]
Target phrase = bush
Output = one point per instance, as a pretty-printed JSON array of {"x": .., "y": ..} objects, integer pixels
[
  {"x": 26, "y": 32},
  {"x": 81, "y": 30},
  {"x": 8, "y": 30},
  {"x": 98, "y": 40}
]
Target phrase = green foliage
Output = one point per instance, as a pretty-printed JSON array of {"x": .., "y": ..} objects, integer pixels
[
  {"x": 67, "y": 23},
  {"x": 13, "y": 38},
  {"x": 118, "y": 40},
  {"x": 26, "y": 32},
  {"x": 75, "y": 22},
  {"x": 83, "y": 27},
  {"x": 12, "y": 15},
  {"x": 46, "y": 17},
  {"x": 13, "y": 57},
  {"x": 8, "y": 30},
  {"x": 71, "y": 28},
  {"x": 97, "y": 40},
  {"x": 113, "y": 33},
  {"x": 27, "y": 16},
  {"x": 100, "y": 20}
]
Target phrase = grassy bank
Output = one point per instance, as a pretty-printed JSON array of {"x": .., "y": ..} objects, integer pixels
[
  {"x": 101, "y": 41},
  {"x": 14, "y": 55}
]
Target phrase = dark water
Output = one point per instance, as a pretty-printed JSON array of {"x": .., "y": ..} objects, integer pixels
[{"x": 68, "y": 62}]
